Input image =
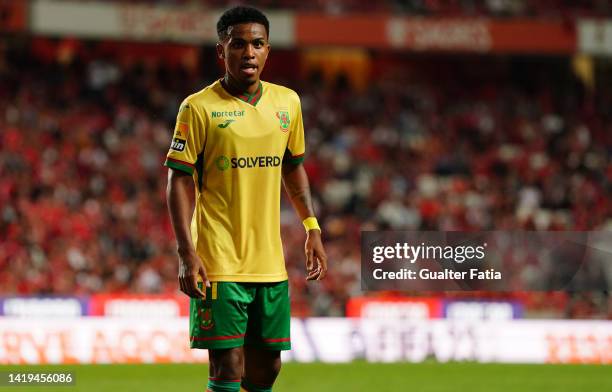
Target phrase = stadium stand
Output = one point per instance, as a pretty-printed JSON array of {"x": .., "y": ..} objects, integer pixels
[
  {"x": 457, "y": 143},
  {"x": 461, "y": 8}
]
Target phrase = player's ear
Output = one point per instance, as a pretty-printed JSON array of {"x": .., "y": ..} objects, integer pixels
[
  {"x": 220, "y": 51},
  {"x": 268, "y": 51}
]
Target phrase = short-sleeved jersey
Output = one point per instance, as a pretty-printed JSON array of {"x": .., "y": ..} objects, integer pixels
[{"x": 234, "y": 146}]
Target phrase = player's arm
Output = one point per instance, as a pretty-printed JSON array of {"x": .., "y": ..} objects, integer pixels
[
  {"x": 180, "y": 185},
  {"x": 295, "y": 181}
]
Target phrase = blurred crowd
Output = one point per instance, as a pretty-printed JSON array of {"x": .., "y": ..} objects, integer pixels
[
  {"x": 457, "y": 148},
  {"x": 82, "y": 187},
  {"x": 493, "y": 8}
]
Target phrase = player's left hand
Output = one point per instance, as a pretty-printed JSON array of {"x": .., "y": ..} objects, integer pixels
[{"x": 316, "y": 259}]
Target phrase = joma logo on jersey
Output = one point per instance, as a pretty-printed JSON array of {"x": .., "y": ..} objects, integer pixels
[
  {"x": 178, "y": 144},
  {"x": 223, "y": 162},
  {"x": 226, "y": 123},
  {"x": 231, "y": 113}
]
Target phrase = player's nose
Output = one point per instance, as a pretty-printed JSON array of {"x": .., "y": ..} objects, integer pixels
[{"x": 249, "y": 52}]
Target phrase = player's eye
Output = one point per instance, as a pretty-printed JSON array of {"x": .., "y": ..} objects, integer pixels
[{"x": 237, "y": 44}]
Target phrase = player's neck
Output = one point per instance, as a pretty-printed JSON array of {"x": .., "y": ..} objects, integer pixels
[{"x": 237, "y": 88}]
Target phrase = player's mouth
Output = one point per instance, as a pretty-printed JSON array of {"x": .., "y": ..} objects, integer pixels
[{"x": 248, "y": 69}]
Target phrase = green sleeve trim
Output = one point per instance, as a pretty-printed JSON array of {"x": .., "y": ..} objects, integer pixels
[
  {"x": 177, "y": 165},
  {"x": 294, "y": 160},
  {"x": 297, "y": 160}
]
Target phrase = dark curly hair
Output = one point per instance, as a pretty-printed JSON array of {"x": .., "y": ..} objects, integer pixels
[{"x": 238, "y": 15}]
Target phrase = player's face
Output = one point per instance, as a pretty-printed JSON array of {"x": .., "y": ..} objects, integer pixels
[{"x": 245, "y": 52}]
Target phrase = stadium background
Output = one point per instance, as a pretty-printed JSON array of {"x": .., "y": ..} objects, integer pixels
[{"x": 420, "y": 115}]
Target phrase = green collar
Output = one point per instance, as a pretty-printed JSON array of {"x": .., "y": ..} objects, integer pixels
[{"x": 251, "y": 99}]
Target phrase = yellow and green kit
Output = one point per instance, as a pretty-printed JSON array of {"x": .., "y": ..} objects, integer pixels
[{"x": 234, "y": 145}]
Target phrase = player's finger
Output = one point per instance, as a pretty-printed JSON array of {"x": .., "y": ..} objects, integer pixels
[
  {"x": 191, "y": 287},
  {"x": 184, "y": 286},
  {"x": 195, "y": 290},
  {"x": 312, "y": 275},
  {"x": 310, "y": 265},
  {"x": 202, "y": 272},
  {"x": 322, "y": 260}
]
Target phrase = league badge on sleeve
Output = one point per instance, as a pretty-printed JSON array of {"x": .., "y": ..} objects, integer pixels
[
  {"x": 284, "y": 119},
  {"x": 181, "y": 130},
  {"x": 178, "y": 144}
]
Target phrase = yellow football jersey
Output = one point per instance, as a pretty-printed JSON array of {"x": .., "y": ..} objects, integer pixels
[{"x": 234, "y": 147}]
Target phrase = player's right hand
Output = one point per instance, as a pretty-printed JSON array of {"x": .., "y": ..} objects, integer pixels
[{"x": 190, "y": 267}]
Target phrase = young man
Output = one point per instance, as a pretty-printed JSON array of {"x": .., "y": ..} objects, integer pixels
[{"x": 234, "y": 141}]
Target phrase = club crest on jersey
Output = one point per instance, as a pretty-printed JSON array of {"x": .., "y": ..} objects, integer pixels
[
  {"x": 283, "y": 118},
  {"x": 206, "y": 321}
]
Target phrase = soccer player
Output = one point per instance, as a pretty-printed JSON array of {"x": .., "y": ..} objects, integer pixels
[{"x": 233, "y": 142}]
